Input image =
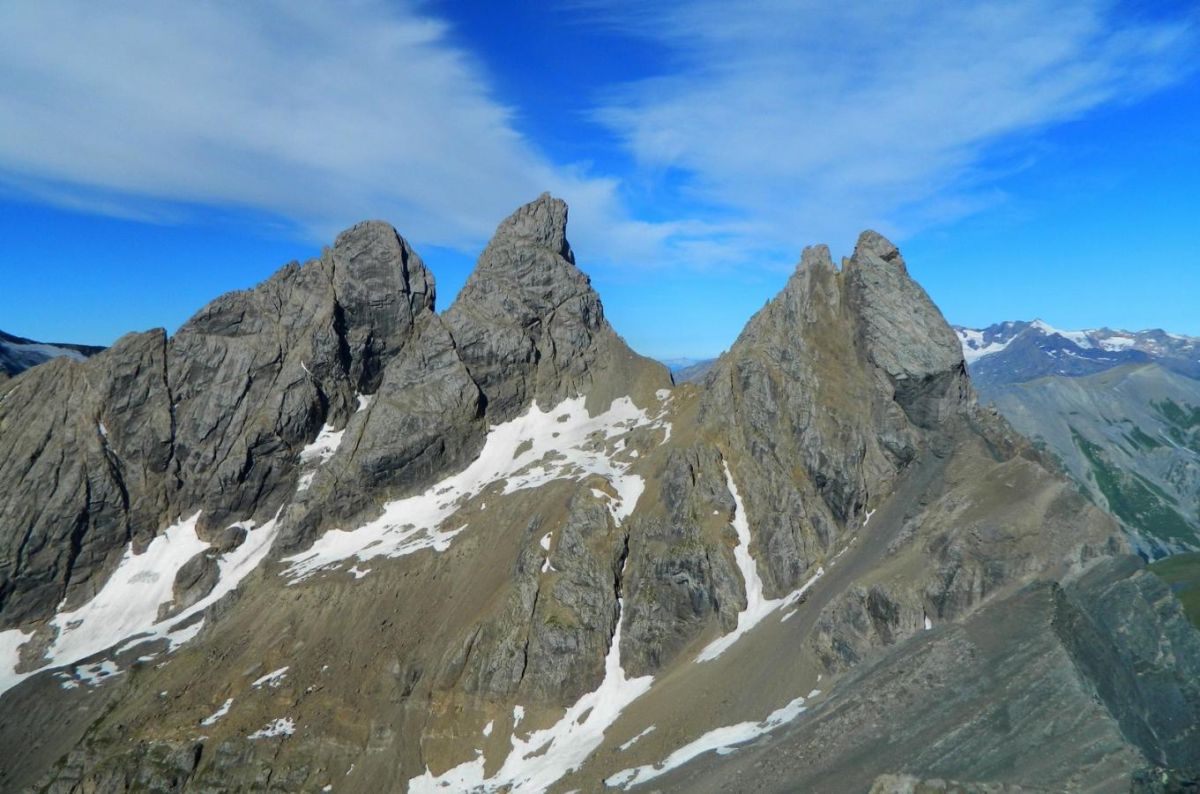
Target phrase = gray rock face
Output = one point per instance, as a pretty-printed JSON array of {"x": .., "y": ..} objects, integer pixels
[
  {"x": 961, "y": 703},
  {"x": 526, "y": 327},
  {"x": 99, "y": 453},
  {"x": 1130, "y": 638},
  {"x": 547, "y": 639},
  {"x": 85, "y": 458},
  {"x": 904, "y": 334},
  {"x": 194, "y": 581},
  {"x": 255, "y": 374},
  {"x": 843, "y": 373},
  {"x": 425, "y": 419},
  {"x": 529, "y": 326},
  {"x": 974, "y": 619},
  {"x": 680, "y": 576}
]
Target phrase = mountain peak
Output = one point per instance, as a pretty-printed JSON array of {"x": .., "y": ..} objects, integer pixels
[
  {"x": 872, "y": 247},
  {"x": 528, "y": 323},
  {"x": 542, "y": 222},
  {"x": 1019, "y": 351},
  {"x": 816, "y": 257}
]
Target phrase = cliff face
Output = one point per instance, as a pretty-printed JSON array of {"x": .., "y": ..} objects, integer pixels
[
  {"x": 103, "y": 453},
  {"x": 326, "y": 536}
]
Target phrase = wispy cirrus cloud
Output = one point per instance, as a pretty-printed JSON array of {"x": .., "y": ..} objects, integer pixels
[
  {"x": 774, "y": 126},
  {"x": 313, "y": 114},
  {"x": 816, "y": 119}
]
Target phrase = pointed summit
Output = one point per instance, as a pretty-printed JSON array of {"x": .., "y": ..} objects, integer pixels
[
  {"x": 528, "y": 324},
  {"x": 542, "y": 222},
  {"x": 873, "y": 247},
  {"x": 902, "y": 331}
]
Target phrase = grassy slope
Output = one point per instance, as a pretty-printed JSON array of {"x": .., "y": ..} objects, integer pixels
[
  {"x": 1134, "y": 499},
  {"x": 1182, "y": 573}
]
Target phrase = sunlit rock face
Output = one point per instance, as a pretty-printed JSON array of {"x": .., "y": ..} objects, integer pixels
[{"x": 325, "y": 538}]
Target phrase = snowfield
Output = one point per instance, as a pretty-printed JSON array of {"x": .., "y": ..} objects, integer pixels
[
  {"x": 720, "y": 740},
  {"x": 536, "y": 448},
  {"x": 125, "y": 611},
  {"x": 544, "y": 757}
]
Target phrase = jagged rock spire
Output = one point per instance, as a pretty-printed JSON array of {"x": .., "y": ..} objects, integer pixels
[{"x": 529, "y": 325}]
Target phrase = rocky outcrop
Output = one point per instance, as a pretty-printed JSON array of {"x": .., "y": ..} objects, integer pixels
[
  {"x": 681, "y": 577},
  {"x": 966, "y": 615},
  {"x": 961, "y": 702},
  {"x": 106, "y": 452},
  {"x": 86, "y": 462},
  {"x": 529, "y": 326},
  {"x": 848, "y": 375},
  {"x": 255, "y": 374}
]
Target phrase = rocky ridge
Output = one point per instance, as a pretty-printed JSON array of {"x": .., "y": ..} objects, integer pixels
[
  {"x": 1019, "y": 351},
  {"x": 493, "y": 549}
]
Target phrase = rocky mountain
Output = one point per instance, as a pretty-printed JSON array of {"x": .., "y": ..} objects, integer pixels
[
  {"x": 1016, "y": 352},
  {"x": 1120, "y": 410},
  {"x": 18, "y": 354},
  {"x": 691, "y": 371},
  {"x": 325, "y": 538}
]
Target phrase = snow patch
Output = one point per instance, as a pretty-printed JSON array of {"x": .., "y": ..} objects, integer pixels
[
  {"x": 91, "y": 675},
  {"x": 272, "y": 679},
  {"x": 1080, "y": 338},
  {"x": 487, "y": 729},
  {"x": 536, "y": 448},
  {"x": 543, "y": 757},
  {"x": 973, "y": 346},
  {"x": 218, "y": 714},
  {"x": 126, "y": 608},
  {"x": 758, "y": 606},
  {"x": 318, "y": 452},
  {"x": 280, "y": 727},
  {"x": 722, "y": 740},
  {"x": 1116, "y": 343},
  {"x": 636, "y": 739}
]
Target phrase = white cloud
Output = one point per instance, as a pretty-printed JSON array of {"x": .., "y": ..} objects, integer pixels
[
  {"x": 319, "y": 114},
  {"x": 817, "y": 119},
  {"x": 776, "y": 126}
]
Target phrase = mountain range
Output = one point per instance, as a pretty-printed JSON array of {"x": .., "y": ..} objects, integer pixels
[
  {"x": 18, "y": 354},
  {"x": 1120, "y": 410},
  {"x": 328, "y": 538}
]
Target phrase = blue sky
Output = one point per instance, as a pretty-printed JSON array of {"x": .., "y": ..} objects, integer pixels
[{"x": 1032, "y": 158}]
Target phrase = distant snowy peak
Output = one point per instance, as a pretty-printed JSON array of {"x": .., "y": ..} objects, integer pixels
[
  {"x": 18, "y": 354},
  {"x": 1015, "y": 351}
]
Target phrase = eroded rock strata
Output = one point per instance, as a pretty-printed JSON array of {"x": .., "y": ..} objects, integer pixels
[{"x": 326, "y": 538}]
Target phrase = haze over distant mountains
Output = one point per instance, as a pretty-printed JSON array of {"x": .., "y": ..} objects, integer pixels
[
  {"x": 18, "y": 354},
  {"x": 1120, "y": 409},
  {"x": 1014, "y": 352}
]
